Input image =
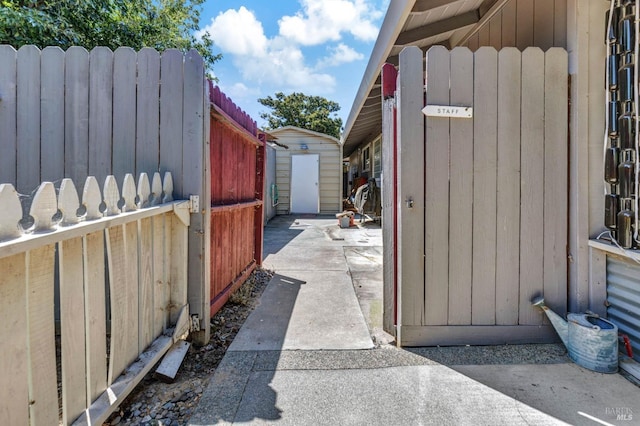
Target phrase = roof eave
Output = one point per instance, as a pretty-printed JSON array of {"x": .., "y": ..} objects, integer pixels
[{"x": 394, "y": 20}]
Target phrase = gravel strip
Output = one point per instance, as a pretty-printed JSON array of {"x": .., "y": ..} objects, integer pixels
[{"x": 156, "y": 403}]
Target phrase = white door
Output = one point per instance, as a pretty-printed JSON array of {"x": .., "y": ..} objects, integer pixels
[{"x": 305, "y": 188}]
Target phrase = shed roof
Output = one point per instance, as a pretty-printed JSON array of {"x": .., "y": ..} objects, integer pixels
[
  {"x": 301, "y": 130},
  {"x": 421, "y": 23}
]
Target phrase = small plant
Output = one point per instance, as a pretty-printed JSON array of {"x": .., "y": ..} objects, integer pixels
[{"x": 243, "y": 295}]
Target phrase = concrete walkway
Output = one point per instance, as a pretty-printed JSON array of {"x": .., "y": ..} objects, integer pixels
[{"x": 305, "y": 356}]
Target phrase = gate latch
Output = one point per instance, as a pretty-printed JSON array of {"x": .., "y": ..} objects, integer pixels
[{"x": 409, "y": 202}]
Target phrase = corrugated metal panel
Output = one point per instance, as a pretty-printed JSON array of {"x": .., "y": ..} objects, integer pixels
[{"x": 623, "y": 297}]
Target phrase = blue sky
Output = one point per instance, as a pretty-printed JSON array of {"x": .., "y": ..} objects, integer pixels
[{"x": 317, "y": 47}]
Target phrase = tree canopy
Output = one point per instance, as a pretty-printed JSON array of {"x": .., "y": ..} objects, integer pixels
[
  {"x": 161, "y": 24},
  {"x": 307, "y": 112}
]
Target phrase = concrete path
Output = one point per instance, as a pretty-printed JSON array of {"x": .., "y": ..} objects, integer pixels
[{"x": 305, "y": 355}]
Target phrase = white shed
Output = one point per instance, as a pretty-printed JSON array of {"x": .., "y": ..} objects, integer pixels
[{"x": 308, "y": 171}]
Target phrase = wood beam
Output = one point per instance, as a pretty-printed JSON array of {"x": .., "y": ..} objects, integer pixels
[
  {"x": 422, "y": 6},
  {"x": 486, "y": 11},
  {"x": 373, "y": 100},
  {"x": 439, "y": 27}
]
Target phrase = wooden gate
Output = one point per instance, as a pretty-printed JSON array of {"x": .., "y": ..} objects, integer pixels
[{"x": 482, "y": 201}]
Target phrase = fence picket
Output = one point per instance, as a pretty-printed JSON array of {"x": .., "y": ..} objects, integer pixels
[
  {"x": 8, "y": 114},
  {"x": 461, "y": 191},
  {"x": 68, "y": 202},
  {"x": 532, "y": 170},
  {"x": 144, "y": 191},
  {"x": 118, "y": 298},
  {"x": 72, "y": 320},
  {"x": 508, "y": 207},
  {"x": 76, "y": 114},
  {"x": 158, "y": 278},
  {"x": 145, "y": 284},
  {"x": 129, "y": 193},
  {"x": 436, "y": 261},
  {"x": 91, "y": 199},
  {"x": 95, "y": 314},
  {"x": 52, "y": 113},
  {"x": 148, "y": 110},
  {"x": 171, "y": 94},
  {"x": 484, "y": 186},
  {"x": 167, "y": 188},
  {"x": 124, "y": 112},
  {"x": 410, "y": 217},
  {"x": 156, "y": 190},
  {"x": 555, "y": 178},
  {"x": 13, "y": 356},
  {"x": 42, "y": 350},
  {"x": 111, "y": 196},
  {"x": 44, "y": 206},
  {"x": 131, "y": 291},
  {"x": 10, "y": 212},
  {"x": 100, "y": 111},
  {"x": 28, "y": 112}
]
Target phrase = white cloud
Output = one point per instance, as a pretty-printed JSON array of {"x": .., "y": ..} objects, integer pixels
[
  {"x": 237, "y": 32},
  {"x": 260, "y": 60},
  {"x": 325, "y": 20},
  {"x": 340, "y": 54},
  {"x": 240, "y": 91}
]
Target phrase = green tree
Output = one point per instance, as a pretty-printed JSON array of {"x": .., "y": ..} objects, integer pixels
[
  {"x": 307, "y": 112},
  {"x": 161, "y": 24}
]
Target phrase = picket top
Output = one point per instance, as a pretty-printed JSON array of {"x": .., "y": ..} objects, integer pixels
[{"x": 46, "y": 203}]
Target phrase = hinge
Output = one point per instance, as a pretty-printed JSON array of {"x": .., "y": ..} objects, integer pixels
[
  {"x": 194, "y": 206},
  {"x": 195, "y": 323}
]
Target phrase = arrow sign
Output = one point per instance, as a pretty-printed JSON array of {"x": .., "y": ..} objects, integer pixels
[{"x": 448, "y": 111}]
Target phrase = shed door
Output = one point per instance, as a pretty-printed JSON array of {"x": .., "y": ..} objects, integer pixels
[{"x": 305, "y": 188}]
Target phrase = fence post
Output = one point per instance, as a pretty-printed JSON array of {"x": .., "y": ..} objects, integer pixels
[
  {"x": 410, "y": 190},
  {"x": 389, "y": 195},
  {"x": 259, "y": 215}
]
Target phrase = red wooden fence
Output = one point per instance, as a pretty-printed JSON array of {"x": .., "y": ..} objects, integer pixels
[{"x": 237, "y": 170}]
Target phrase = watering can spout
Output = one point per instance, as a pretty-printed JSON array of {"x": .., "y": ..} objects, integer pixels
[{"x": 556, "y": 320}]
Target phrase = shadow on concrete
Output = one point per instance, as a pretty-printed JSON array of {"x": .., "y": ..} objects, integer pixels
[
  {"x": 239, "y": 392},
  {"x": 275, "y": 237}
]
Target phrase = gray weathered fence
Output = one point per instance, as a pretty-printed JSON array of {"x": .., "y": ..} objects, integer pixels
[
  {"x": 78, "y": 113},
  {"x": 482, "y": 201}
]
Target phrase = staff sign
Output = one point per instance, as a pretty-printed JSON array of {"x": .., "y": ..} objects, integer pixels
[{"x": 448, "y": 111}]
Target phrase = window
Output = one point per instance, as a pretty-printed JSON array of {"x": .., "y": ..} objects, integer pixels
[
  {"x": 366, "y": 161},
  {"x": 377, "y": 159}
]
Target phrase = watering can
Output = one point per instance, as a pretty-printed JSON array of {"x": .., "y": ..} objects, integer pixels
[{"x": 591, "y": 341}]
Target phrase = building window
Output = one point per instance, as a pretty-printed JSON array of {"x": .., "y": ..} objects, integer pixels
[
  {"x": 377, "y": 159},
  {"x": 366, "y": 160}
]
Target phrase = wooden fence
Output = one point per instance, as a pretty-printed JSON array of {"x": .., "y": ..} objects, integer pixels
[
  {"x": 482, "y": 216},
  {"x": 78, "y": 113},
  {"x": 120, "y": 274},
  {"x": 237, "y": 178}
]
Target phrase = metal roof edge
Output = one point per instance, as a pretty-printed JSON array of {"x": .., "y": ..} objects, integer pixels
[
  {"x": 311, "y": 132},
  {"x": 394, "y": 21}
]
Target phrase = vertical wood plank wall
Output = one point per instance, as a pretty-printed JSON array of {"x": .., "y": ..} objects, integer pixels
[
  {"x": 525, "y": 23},
  {"x": 78, "y": 113},
  {"x": 495, "y": 197},
  {"x": 237, "y": 178}
]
